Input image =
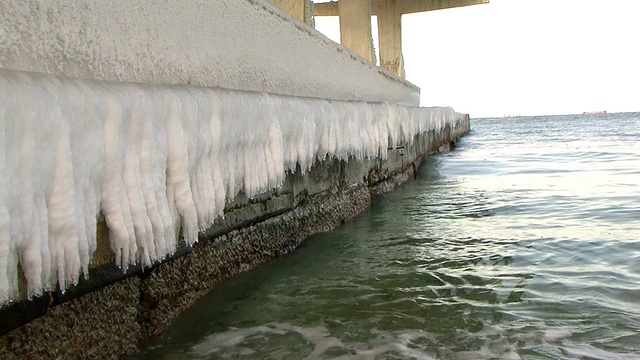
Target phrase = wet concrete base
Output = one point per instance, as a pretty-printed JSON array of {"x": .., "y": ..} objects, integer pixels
[
  {"x": 110, "y": 322},
  {"x": 174, "y": 286},
  {"x": 100, "y": 325}
]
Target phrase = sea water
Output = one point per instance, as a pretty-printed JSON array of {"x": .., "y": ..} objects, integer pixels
[{"x": 522, "y": 243}]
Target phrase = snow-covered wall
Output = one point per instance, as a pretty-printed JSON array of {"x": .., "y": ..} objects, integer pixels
[{"x": 235, "y": 44}]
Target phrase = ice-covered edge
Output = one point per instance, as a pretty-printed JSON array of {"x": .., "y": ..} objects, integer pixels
[{"x": 153, "y": 159}]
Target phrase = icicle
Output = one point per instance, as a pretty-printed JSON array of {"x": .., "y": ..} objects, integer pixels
[
  {"x": 8, "y": 263},
  {"x": 214, "y": 156},
  {"x": 178, "y": 163},
  {"x": 158, "y": 164},
  {"x": 90, "y": 158},
  {"x": 30, "y": 249},
  {"x": 152, "y": 222},
  {"x": 192, "y": 122},
  {"x": 203, "y": 178},
  {"x": 63, "y": 222},
  {"x": 112, "y": 188},
  {"x": 73, "y": 113},
  {"x": 132, "y": 179}
]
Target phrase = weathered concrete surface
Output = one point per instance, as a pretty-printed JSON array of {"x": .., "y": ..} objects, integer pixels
[
  {"x": 102, "y": 324},
  {"x": 390, "y": 37},
  {"x": 299, "y": 9},
  {"x": 109, "y": 322},
  {"x": 355, "y": 27}
]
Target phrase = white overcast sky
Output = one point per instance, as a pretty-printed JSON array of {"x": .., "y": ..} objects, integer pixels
[{"x": 523, "y": 57}]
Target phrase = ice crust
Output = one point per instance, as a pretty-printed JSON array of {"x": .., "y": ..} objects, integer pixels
[{"x": 154, "y": 160}]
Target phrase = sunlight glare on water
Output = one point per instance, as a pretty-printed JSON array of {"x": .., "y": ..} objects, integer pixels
[{"x": 523, "y": 243}]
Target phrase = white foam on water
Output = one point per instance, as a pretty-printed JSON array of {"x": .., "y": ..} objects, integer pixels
[
  {"x": 154, "y": 160},
  {"x": 408, "y": 344},
  {"x": 585, "y": 351},
  {"x": 319, "y": 343}
]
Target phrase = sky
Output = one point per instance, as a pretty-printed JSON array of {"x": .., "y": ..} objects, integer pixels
[{"x": 523, "y": 57}]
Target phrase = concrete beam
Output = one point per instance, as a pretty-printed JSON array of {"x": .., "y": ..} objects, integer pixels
[
  {"x": 355, "y": 27},
  {"x": 390, "y": 37},
  {"x": 404, "y": 7},
  {"x": 297, "y": 8},
  {"x": 414, "y": 6},
  {"x": 325, "y": 9}
]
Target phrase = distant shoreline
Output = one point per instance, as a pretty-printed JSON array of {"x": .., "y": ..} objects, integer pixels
[{"x": 543, "y": 115}]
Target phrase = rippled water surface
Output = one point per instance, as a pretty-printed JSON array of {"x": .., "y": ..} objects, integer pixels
[{"x": 523, "y": 243}]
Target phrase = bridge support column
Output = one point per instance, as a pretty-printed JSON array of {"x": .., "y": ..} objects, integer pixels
[
  {"x": 300, "y": 9},
  {"x": 355, "y": 27},
  {"x": 390, "y": 37}
]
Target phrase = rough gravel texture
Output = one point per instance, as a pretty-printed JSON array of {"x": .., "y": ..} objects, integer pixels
[{"x": 100, "y": 325}]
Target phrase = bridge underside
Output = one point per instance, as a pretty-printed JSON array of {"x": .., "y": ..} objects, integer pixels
[
  {"x": 355, "y": 23},
  {"x": 403, "y": 6}
]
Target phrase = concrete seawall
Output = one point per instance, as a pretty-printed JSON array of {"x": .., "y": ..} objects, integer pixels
[
  {"x": 150, "y": 150},
  {"x": 109, "y": 314}
]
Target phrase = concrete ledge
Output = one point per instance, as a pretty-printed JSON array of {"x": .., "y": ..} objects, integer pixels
[{"x": 119, "y": 310}]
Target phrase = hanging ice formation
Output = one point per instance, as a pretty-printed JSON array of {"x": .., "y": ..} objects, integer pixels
[{"x": 153, "y": 158}]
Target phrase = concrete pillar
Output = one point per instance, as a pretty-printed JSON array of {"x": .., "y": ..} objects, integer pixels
[
  {"x": 300, "y": 9},
  {"x": 355, "y": 27},
  {"x": 390, "y": 37}
]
